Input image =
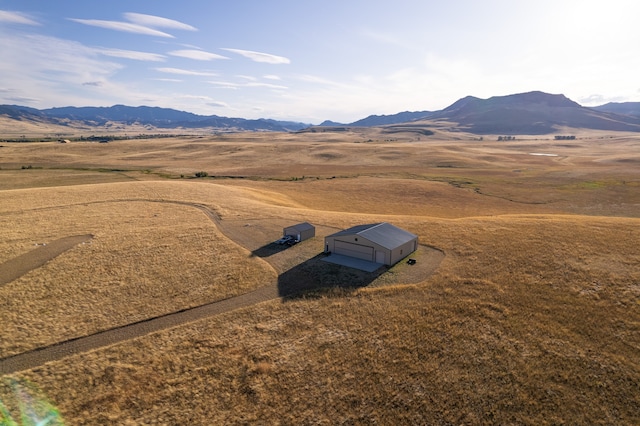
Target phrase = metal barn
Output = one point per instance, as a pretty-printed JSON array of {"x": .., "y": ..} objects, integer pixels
[
  {"x": 301, "y": 231},
  {"x": 378, "y": 242}
]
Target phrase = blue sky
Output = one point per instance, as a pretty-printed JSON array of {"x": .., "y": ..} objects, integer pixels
[{"x": 309, "y": 60}]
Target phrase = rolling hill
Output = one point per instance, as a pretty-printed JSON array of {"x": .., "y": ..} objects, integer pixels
[
  {"x": 625, "y": 108},
  {"x": 160, "y": 118},
  {"x": 401, "y": 117}
]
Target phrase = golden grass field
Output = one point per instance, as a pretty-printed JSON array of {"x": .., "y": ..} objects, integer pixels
[{"x": 532, "y": 316}]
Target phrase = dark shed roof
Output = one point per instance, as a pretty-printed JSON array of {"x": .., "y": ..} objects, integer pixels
[{"x": 304, "y": 226}]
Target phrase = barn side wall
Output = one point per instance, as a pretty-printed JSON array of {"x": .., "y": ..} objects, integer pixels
[
  {"x": 307, "y": 233},
  {"x": 403, "y": 251}
]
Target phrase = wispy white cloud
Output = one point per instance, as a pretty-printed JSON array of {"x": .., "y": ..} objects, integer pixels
[
  {"x": 271, "y": 77},
  {"x": 122, "y": 26},
  {"x": 157, "y": 22},
  {"x": 218, "y": 104},
  {"x": 267, "y": 85},
  {"x": 54, "y": 70},
  {"x": 22, "y": 99},
  {"x": 379, "y": 36},
  {"x": 186, "y": 45},
  {"x": 597, "y": 99},
  {"x": 132, "y": 54},
  {"x": 260, "y": 56},
  {"x": 199, "y": 55},
  {"x": 51, "y": 58},
  {"x": 224, "y": 84},
  {"x": 231, "y": 85},
  {"x": 196, "y": 97},
  {"x": 180, "y": 71},
  {"x": 16, "y": 18},
  {"x": 322, "y": 81},
  {"x": 139, "y": 24}
]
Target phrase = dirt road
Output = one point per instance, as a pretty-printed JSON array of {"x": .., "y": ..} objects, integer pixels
[
  {"x": 18, "y": 266},
  {"x": 34, "y": 358}
]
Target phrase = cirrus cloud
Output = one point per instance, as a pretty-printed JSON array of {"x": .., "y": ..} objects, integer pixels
[
  {"x": 180, "y": 71},
  {"x": 16, "y": 18},
  {"x": 260, "y": 56},
  {"x": 157, "y": 22},
  {"x": 132, "y": 54},
  {"x": 122, "y": 26},
  {"x": 231, "y": 85},
  {"x": 198, "y": 55},
  {"x": 23, "y": 99},
  {"x": 218, "y": 104}
]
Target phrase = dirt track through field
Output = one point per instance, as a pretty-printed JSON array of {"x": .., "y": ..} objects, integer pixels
[
  {"x": 18, "y": 266},
  {"x": 60, "y": 350}
]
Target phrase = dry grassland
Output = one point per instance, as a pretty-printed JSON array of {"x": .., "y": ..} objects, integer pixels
[
  {"x": 533, "y": 316},
  {"x": 146, "y": 259},
  {"x": 519, "y": 326}
]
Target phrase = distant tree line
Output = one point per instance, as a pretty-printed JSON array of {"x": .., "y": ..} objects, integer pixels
[
  {"x": 564, "y": 138},
  {"x": 94, "y": 138},
  {"x": 506, "y": 138}
]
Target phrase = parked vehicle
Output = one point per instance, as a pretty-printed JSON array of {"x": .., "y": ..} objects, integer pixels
[
  {"x": 287, "y": 239},
  {"x": 292, "y": 241}
]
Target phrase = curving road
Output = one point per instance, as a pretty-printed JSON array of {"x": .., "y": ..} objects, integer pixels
[{"x": 36, "y": 357}]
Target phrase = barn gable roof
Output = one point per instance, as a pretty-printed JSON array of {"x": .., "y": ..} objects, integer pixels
[{"x": 383, "y": 234}]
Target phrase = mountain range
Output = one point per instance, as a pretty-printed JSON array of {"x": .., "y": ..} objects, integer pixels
[
  {"x": 161, "y": 118},
  {"x": 533, "y": 113}
]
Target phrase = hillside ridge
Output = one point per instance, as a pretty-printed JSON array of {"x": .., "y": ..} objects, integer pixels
[
  {"x": 534, "y": 113},
  {"x": 162, "y": 118}
]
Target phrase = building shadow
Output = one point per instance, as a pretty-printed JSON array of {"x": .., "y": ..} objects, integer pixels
[
  {"x": 316, "y": 278},
  {"x": 269, "y": 250}
]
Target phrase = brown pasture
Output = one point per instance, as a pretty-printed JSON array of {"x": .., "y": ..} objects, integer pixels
[{"x": 532, "y": 317}]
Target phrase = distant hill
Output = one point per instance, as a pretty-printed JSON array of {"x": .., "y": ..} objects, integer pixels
[
  {"x": 533, "y": 113},
  {"x": 124, "y": 114},
  {"x": 382, "y": 120},
  {"x": 18, "y": 112},
  {"x": 329, "y": 123},
  {"x": 162, "y": 118},
  {"x": 625, "y": 108}
]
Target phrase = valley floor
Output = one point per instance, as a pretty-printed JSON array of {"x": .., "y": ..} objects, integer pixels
[{"x": 524, "y": 308}]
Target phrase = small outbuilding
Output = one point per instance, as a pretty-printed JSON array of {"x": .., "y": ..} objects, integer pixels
[
  {"x": 381, "y": 243},
  {"x": 301, "y": 231}
]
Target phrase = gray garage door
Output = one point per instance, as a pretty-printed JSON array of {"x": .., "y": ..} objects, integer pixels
[{"x": 354, "y": 250}]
